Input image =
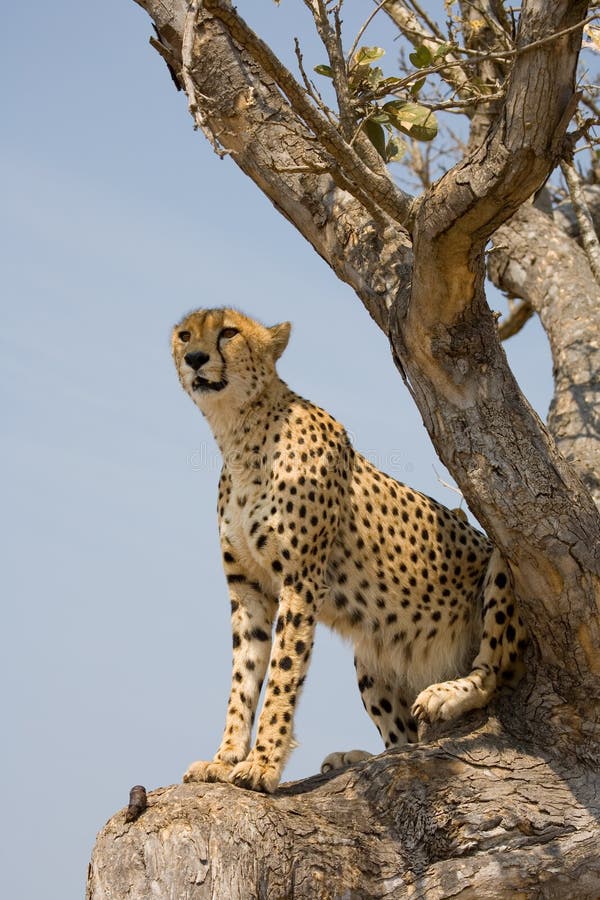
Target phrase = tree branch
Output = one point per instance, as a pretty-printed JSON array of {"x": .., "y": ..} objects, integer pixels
[
  {"x": 187, "y": 45},
  {"x": 528, "y": 251},
  {"x": 475, "y": 814},
  {"x": 418, "y": 35},
  {"x": 363, "y": 28},
  {"x": 268, "y": 141},
  {"x": 394, "y": 202},
  {"x": 515, "y": 320},
  {"x": 481, "y": 192},
  {"x": 332, "y": 42},
  {"x": 589, "y": 238}
]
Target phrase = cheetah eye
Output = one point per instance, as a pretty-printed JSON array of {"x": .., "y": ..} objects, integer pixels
[
  {"x": 227, "y": 333},
  {"x": 184, "y": 336}
]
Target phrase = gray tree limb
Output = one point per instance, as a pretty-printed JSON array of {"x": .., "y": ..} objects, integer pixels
[
  {"x": 589, "y": 238},
  {"x": 528, "y": 253}
]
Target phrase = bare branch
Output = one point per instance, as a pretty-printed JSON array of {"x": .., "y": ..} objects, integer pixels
[
  {"x": 515, "y": 320},
  {"x": 488, "y": 16},
  {"x": 499, "y": 11},
  {"x": 362, "y": 30},
  {"x": 425, "y": 18},
  {"x": 528, "y": 252},
  {"x": 446, "y": 484},
  {"x": 589, "y": 238},
  {"x": 591, "y": 104},
  {"x": 459, "y": 106},
  {"x": 419, "y": 163},
  {"x": 331, "y": 39},
  {"x": 310, "y": 88}
]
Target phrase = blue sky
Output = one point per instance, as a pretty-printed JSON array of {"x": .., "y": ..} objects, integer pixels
[{"x": 117, "y": 220}]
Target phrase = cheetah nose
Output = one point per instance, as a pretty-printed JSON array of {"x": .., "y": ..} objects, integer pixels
[{"x": 196, "y": 359}]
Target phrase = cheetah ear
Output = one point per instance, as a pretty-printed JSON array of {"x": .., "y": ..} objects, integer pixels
[{"x": 280, "y": 335}]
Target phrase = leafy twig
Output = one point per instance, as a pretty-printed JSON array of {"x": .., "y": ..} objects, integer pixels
[
  {"x": 419, "y": 36},
  {"x": 479, "y": 55},
  {"x": 373, "y": 187}
]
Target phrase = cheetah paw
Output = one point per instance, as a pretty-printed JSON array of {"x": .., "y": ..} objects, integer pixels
[
  {"x": 448, "y": 700},
  {"x": 342, "y": 759},
  {"x": 208, "y": 771},
  {"x": 255, "y": 776}
]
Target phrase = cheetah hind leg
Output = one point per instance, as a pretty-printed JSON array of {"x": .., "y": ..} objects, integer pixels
[
  {"x": 342, "y": 759},
  {"x": 387, "y": 708},
  {"x": 503, "y": 637}
]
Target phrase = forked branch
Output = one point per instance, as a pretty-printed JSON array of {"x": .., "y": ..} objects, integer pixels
[{"x": 377, "y": 184}]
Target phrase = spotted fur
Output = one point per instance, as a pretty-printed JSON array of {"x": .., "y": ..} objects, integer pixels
[{"x": 311, "y": 531}]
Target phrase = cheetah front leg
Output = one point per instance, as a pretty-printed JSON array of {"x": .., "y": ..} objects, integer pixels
[
  {"x": 290, "y": 655},
  {"x": 251, "y": 621}
]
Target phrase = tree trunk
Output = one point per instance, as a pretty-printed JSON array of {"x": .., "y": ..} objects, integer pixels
[
  {"x": 471, "y": 816},
  {"x": 528, "y": 252},
  {"x": 504, "y": 807}
]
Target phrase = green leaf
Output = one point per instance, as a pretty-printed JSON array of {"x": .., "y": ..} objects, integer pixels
[
  {"x": 412, "y": 119},
  {"x": 414, "y": 91},
  {"x": 376, "y": 135},
  {"x": 395, "y": 150},
  {"x": 367, "y": 55},
  {"x": 395, "y": 105},
  {"x": 324, "y": 70},
  {"x": 374, "y": 76},
  {"x": 441, "y": 51},
  {"x": 421, "y": 57},
  {"x": 381, "y": 117},
  {"x": 359, "y": 77}
]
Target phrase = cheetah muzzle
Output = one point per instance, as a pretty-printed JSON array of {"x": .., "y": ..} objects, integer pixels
[
  {"x": 202, "y": 384},
  {"x": 198, "y": 359},
  {"x": 312, "y": 532}
]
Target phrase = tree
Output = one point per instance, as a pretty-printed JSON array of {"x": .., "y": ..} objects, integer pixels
[{"x": 507, "y": 803}]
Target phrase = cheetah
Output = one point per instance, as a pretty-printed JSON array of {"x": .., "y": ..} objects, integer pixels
[{"x": 311, "y": 531}]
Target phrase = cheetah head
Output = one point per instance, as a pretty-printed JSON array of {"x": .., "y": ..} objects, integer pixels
[{"x": 223, "y": 356}]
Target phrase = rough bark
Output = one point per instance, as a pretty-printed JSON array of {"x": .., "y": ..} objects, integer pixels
[
  {"x": 475, "y": 814},
  {"x": 468, "y": 816},
  {"x": 528, "y": 253}
]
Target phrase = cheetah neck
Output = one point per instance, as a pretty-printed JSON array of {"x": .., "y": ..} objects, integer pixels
[{"x": 234, "y": 424}]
